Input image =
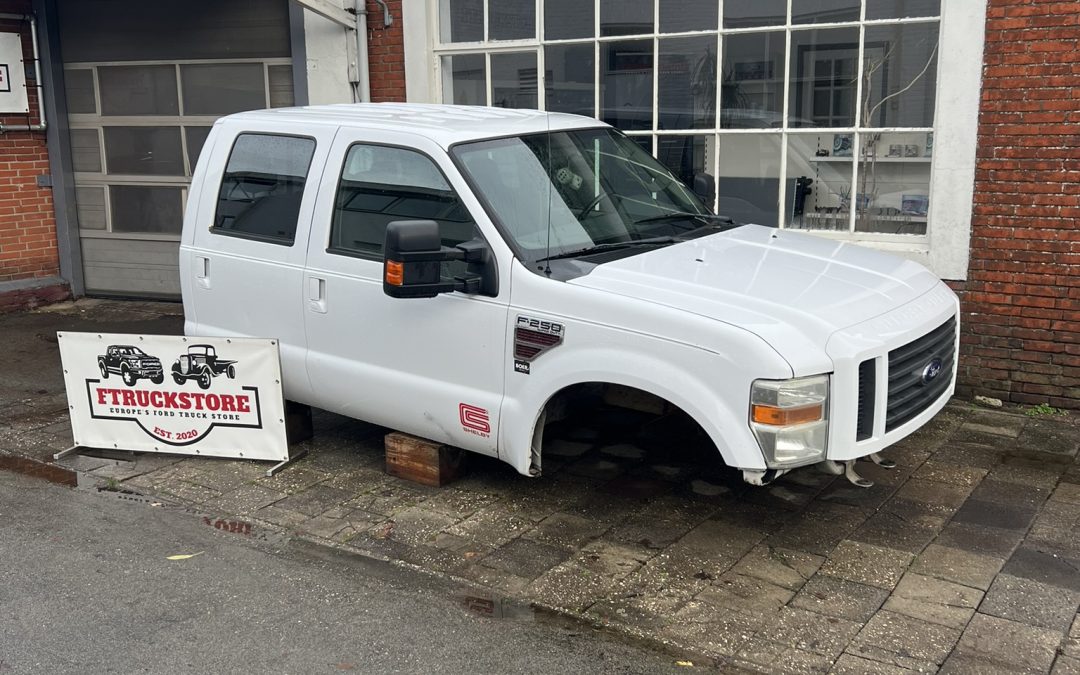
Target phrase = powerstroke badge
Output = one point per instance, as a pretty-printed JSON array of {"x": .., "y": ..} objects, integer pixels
[{"x": 218, "y": 397}]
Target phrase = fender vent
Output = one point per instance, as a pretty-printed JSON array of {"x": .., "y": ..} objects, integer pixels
[
  {"x": 864, "y": 425},
  {"x": 529, "y": 343}
]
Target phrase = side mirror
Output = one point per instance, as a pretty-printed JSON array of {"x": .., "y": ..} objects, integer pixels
[
  {"x": 705, "y": 188},
  {"x": 412, "y": 261}
]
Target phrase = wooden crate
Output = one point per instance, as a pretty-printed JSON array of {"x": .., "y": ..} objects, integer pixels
[{"x": 422, "y": 461}]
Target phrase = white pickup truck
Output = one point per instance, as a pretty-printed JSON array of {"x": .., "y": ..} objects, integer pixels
[{"x": 453, "y": 272}]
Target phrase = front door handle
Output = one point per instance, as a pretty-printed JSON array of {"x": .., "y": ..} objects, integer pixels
[
  {"x": 317, "y": 294},
  {"x": 202, "y": 271}
]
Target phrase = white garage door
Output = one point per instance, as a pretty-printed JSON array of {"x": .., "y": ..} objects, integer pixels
[{"x": 145, "y": 81}]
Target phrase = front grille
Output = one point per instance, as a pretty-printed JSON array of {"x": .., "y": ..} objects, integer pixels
[
  {"x": 864, "y": 425},
  {"x": 909, "y": 395}
]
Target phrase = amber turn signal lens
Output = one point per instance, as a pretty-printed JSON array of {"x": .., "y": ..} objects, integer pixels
[
  {"x": 395, "y": 273},
  {"x": 783, "y": 417}
]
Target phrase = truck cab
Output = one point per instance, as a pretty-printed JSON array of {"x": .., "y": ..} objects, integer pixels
[{"x": 452, "y": 271}]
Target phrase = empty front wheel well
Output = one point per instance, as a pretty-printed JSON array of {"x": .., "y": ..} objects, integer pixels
[{"x": 610, "y": 413}]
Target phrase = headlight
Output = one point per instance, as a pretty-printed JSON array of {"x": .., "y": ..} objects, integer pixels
[
  {"x": 790, "y": 419},
  {"x": 136, "y": 363}
]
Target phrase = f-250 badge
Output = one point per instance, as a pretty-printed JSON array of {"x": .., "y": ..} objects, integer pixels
[{"x": 533, "y": 337}]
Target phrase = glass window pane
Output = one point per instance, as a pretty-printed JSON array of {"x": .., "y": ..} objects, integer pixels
[
  {"x": 687, "y": 83},
  {"x": 747, "y": 13},
  {"x": 196, "y": 138},
  {"x": 752, "y": 93},
  {"x": 90, "y": 207},
  {"x": 823, "y": 77},
  {"x": 138, "y": 90},
  {"x": 894, "y": 178},
  {"x": 511, "y": 19},
  {"x": 570, "y": 71},
  {"x": 748, "y": 184},
  {"x": 79, "y": 87},
  {"x": 263, "y": 186},
  {"x": 144, "y": 151},
  {"x": 281, "y": 86},
  {"x": 626, "y": 84},
  {"x": 223, "y": 88},
  {"x": 461, "y": 20},
  {"x": 900, "y": 75},
  {"x": 626, "y": 17},
  {"x": 899, "y": 9},
  {"x": 464, "y": 80},
  {"x": 380, "y": 185},
  {"x": 85, "y": 150},
  {"x": 142, "y": 208},
  {"x": 677, "y": 16},
  {"x": 824, "y": 11},
  {"x": 686, "y": 156},
  {"x": 568, "y": 19},
  {"x": 513, "y": 80},
  {"x": 818, "y": 189}
]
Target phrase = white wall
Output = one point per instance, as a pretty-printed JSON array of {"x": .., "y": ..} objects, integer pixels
[{"x": 327, "y": 64}]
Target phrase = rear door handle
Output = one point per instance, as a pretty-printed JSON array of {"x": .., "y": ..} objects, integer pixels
[
  {"x": 317, "y": 294},
  {"x": 202, "y": 271}
]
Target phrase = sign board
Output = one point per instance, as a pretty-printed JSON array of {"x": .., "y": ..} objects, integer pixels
[
  {"x": 214, "y": 397},
  {"x": 12, "y": 75}
]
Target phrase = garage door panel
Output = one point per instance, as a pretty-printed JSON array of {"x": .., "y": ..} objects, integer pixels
[{"x": 131, "y": 267}]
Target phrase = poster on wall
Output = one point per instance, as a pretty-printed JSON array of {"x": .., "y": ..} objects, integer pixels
[
  {"x": 214, "y": 397},
  {"x": 12, "y": 75}
]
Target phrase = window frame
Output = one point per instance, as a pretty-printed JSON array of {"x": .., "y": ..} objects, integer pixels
[
  {"x": 266, "y": 239},
  {"x": 961, "y": 41}
]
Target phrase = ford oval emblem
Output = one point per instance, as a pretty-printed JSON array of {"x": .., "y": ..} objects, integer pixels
[{"x": 931, "y": 371}]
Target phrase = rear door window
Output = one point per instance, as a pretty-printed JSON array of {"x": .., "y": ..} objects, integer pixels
[{"x": 263, "y": 186}]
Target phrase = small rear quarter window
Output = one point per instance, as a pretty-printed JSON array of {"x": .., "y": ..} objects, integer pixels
[{"x": 262, "y": 187}]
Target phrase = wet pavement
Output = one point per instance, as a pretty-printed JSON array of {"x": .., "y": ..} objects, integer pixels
[{"x": 965, "y": 558}]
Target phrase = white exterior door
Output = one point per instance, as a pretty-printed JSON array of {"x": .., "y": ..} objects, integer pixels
[{"x": 431, "y": 367}]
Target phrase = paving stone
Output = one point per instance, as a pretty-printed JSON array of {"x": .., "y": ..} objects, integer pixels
[
  {"x": 315, "y": 500},
  {"x": 939, "y": 498},
  {"x": 990, "y": 541},
  {"x": 501, "y": 580},
  {"x": 386, "y": 499},
  {"x": 934, "y": 600},
  {"x": 458, "y": 504},
  {"x": 566, "y": 530},
  {"x": 781, "y": 567},
  {"x": 905, "y": 642},
  {"x": 188, "y": 492},
  {"x": 819, "y": 528},
  {"x": 1066, "y": 665},
  {"x": 867, "y": 499},
  {"x": 1067, "y": 492},
  {"x": 957, "y": 565},
  {"x": 716, "y": 632},
  {"x": 789, "y": 496},
  {"x": 849, "y": 664},
  {"x": 525, "y": 558},
  {"x": 1026, "y": 471},
  {"x": 636, "y": 487},
  {"x": 490, "y": 527},
  {"x": 623, "y": 451},
  {"x": 973, "y": 455},
  {"x": 811, "y": 632},
  {"x": 775, "y": 657},
  {"x": 867, "y": 564},
  {"x": 1061, "y": 438},
  {"x": 567, "y": 449},
  {"x": 1072, "y": 641},
  {"x": 894, "y": 531},
  {"x": 359, "y": 479},
  {"x": 994, "y": 514},
  {"x": 840, "y": 598},
  {"x": 942, "y": 472},
  {"x": 1001, "y": 492},
  {"x": 415, "y": 525},
  {"x": 714, "y": 537},
  {"x": 595, "y": 468},
  {"x": 571, "y": 586},
  {"x": 647, "y": 530},
  {"x": 1029, "y": 563},
  {"x": 612, "y": 560},
  {"x": 294, "y": 478},
  {"x": 322, "y": 526},
  {"x": 995, "y": 423},
  {"x": 1031, "y": 602},
  {"x": 990, "y": 644},
  {"x": 704, "y": 488},
  {"x": 276, "y": 515},
  {"x": 734, "y": 592}
]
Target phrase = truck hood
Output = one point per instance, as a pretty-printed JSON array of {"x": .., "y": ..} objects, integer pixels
[{"x": 792, "y": 289}]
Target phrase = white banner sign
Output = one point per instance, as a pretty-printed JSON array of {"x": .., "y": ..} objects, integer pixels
[
  {"x": 218, "y": 397},
  {"x": 12, "y": 77}
]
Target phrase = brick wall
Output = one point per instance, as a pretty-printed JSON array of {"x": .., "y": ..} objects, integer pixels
[
  {"x": 1021, "y": 303},
  {"x": 386, "y": 53},
  {"x": 27, "y": 224}
]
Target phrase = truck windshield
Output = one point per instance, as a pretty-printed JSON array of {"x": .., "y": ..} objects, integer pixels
[{"x": 566, "y": 193}]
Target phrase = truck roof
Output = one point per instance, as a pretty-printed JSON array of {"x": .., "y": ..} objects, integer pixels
[{"x": 443, "y": 124}]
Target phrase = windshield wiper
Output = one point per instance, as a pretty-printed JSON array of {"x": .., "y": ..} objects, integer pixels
[
  {"x": 680, "y": 215},
  {"x": 612, "y": 246}
]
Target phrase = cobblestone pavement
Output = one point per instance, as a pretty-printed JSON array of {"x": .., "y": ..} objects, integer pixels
[{"x": 965, "y": 558}]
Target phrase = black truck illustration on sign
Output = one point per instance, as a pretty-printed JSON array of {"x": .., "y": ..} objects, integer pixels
[
  {"x": 202, "y": 364},
  {"x": 131, "y": 364}
]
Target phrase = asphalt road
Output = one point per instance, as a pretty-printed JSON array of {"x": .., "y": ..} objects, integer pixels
[{"x": 86, "y": 586}]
